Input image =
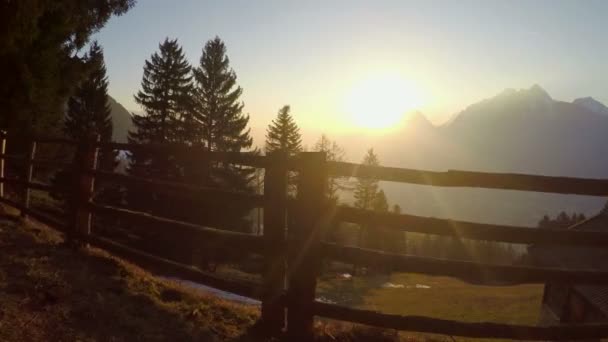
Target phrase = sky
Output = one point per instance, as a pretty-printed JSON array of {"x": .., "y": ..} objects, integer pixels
[{"x": 324, "y": 57}]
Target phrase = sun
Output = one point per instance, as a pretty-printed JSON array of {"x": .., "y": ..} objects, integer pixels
[{"x": 381, "y": 101}]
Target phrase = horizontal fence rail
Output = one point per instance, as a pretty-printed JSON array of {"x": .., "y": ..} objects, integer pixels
[
  {"x": 240, "y": 241},
  {"x": 174, "y": 269},
  {"x": 504, "y": 181},
  {"x": 301, "y": 255},
  {"x": 475, "y": 272},
  {"x": 458, "y": 328},
  {"x": 43, "y": 218},
  {"x": 51, "y": 163},
  {"x": 242, "y": 158},
  {"x": 472, "y": 230},
  {"x": 13, "y": 157},
  {"x": 51, "y": 140},
  {"x": 179, "y": 189},
  {"x": 30, "y": 185}
]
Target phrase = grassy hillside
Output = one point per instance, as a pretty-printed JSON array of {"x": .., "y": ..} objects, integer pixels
[{"x": 49, "y": 292}]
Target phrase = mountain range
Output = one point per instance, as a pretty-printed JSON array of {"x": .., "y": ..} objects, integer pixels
[{"x": 520, "y": 131}]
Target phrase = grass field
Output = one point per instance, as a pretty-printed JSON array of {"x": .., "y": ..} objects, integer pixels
[{"x": 444, "y": 298}]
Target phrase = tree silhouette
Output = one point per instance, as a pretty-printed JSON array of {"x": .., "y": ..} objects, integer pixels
[
  {"x": 165, "y": 97},
  {"x": 88, "y": 111},
  {"x": 333, "y": 152},
  {"x": 222, "y": 127},
  {"x": 283, "y": 134},
  {"x": 219, "y": 111},
  {"x": 40, "y": 63},
  {"x": 88, "y": 114},
  {"x": 367, "y": 187}
]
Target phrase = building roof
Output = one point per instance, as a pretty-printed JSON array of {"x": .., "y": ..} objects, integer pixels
[{"x": 582, "y": 258}]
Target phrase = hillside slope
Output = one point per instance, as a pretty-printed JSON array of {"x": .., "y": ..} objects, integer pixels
[{"x": 49, "y": 293}]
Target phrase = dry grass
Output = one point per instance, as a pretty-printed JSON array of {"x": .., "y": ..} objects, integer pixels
[{"x": 49, "y": 292}]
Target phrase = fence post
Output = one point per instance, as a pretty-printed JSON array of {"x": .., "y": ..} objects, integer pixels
[
  {"x": 275, "y": 221},
  {"x": 304, "y": 259},
  {"x": 3, "y": 151},
  {"x": 29, "y": 174},
  {"x": 85, "y": 160}
]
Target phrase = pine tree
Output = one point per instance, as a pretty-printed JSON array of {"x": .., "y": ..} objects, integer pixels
[
  {"x": 41, "y": 66},
  {"x": 165, "y": 96},
  {"x": 380, "y": 203},
  {"x": 88, "y": 114},
  {"x": 367, "y": 187},
  {"x": 365, "y": 192},
  {"x": 333, "y": 152},
  {"x": 222, "y": 127},
  {"x": 219, "y": 111},
  {"x": 283, "y": 134}
]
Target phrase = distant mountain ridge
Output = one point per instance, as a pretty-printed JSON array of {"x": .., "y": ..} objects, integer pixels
[
  {"x": 121, "y": 120},
  {"x": 524, "y": 131},
  {"x": 518, "y": 131}
]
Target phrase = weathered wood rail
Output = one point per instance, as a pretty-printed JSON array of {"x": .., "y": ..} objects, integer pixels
[{"x": 293, "y": 255}]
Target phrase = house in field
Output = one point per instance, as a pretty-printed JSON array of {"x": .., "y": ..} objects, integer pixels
[{"x": 574, "y": 303}]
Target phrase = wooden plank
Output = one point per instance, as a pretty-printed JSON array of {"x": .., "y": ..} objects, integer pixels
[
  {"x": 2, "y": 158},
  {"x": 13, "y": 157},
  {"x": 11, "y": 203},
  {"x": 275, "y": 225},
  {"x": 475, "y": 272},
  {"x": 452, "y": 178},
  {"x": 30, "y": 185},
  {"x": 29, "y": 173},
  {"x": 168, "y": 268},
  {"x": 304, "y": 253},
  {"x": 50, "y": 163},
  {"x": 179, "y": 189},
  {"x": 54, "y": 140},
  {"x": 472, "y": 230},
  {"x": 464, "y": 329},
  {"x": 38, "y": 216},
  {"x": 242, "y": 158},
  {"x": 47, "y": 220},
  {"x": 241, "y": 241}
]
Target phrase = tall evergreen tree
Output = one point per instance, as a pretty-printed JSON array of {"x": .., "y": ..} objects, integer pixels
[
  {"x": 367, "y": 187},
  {"x": 165, "y": 96},
  {"x": 380, "y": 203},
  {"x": 39, "y": 59},
  {"x": 283, "y": 134},
  {"x": 222, "y": 127},
  {"x": 333, "y": 152},
  {"x": 88, "y": 114},
  {"x": 219, "y": 111},
  {"x": 88, "y": 109}
]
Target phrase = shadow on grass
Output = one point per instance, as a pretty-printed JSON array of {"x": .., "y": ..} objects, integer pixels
[{"x": 49, "y": 292}]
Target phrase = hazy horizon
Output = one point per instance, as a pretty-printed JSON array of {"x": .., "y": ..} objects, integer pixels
[{"x": 442, "y": 56}]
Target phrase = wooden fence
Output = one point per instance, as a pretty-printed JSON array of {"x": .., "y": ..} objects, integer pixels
[{"x": 293, "y": 255}]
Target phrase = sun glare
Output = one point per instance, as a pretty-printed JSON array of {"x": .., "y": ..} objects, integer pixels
[{"x": 380, "y": 102}]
